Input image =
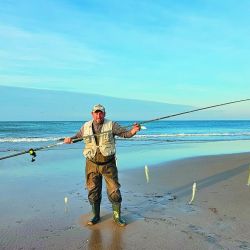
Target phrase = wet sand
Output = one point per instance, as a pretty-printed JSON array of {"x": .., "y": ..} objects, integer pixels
[{"x": 35, "y": 216}]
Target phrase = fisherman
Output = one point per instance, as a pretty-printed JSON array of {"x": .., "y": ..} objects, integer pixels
[{"x": 99, "y": 137}]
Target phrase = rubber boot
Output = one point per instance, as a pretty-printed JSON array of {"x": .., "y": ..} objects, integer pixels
[
  {"x": 117, "y": 215},
  {"x": 96, "y": 213}
]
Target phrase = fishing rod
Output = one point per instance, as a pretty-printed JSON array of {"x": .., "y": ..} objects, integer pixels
[
  {"x": 173, "y": 115},
  {"x": 32, "y": 151}
]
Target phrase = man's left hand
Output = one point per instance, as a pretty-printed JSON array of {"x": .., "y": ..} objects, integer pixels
[{"x": 136, "y": 128}]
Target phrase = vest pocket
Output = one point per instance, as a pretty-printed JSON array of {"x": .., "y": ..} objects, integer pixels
[
  {"x": 107, "y": 137},
  {"x": 88, "y": 139}
]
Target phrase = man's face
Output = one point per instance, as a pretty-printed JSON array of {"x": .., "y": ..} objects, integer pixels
[{"x": 98, "y": 116}]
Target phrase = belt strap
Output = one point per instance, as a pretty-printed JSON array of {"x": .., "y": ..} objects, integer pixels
[{"x": 102, "y": 163}]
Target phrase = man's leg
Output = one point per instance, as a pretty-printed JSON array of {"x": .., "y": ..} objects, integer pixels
[
  {"x": 94, "y": 185},
  {"x": 110, "y": 175}
]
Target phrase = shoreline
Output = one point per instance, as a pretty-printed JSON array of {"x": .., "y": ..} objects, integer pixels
[{"x": 157, "y": 212}]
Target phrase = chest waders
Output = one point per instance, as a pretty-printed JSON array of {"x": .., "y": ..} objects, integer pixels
[{"x": 101, "y": 165}]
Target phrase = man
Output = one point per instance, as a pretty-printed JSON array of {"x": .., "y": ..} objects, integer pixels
[{"x": 99, "y": 137}]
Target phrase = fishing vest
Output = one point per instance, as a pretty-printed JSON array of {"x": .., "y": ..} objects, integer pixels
[{"x": 106, "y": 140}]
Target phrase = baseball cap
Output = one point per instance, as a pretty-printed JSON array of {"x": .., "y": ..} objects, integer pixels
[{"x": 98, "y": 107}]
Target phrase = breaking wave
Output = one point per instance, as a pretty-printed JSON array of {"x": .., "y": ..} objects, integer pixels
[
  {"x": 29, "y": 139},
  {"x": 137, "y": 137}
]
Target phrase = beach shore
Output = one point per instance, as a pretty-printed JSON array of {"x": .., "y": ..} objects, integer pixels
[{"x": 157, "y": 211}]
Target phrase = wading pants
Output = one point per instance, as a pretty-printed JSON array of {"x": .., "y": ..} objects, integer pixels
[{"x": 94, "y": 174}]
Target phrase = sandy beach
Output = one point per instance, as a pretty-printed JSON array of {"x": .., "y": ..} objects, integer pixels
[{"x": 34, "y": 214}]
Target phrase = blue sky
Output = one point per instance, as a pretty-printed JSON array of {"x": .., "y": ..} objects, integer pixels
[{"x": 182, "y": 52}]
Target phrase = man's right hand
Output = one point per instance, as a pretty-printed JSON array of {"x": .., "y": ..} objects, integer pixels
[{"x": 67, "y": 140}]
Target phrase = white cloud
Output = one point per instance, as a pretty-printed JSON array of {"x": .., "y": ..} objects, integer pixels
[{"x": 45, "y": 49}]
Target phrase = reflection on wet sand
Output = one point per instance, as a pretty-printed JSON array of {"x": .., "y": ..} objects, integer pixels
[
  {"x": 114, "y": 242},
  {"x": 95, "y": 241}
]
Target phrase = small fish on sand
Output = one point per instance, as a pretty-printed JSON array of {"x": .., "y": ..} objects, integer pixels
[
  {"x": 65, "y": 200},
  {"x": 147, "y": 173},
  {"x": 193, "y": 193}
]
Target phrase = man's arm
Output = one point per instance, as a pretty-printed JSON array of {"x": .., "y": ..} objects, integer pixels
[
  {"x": 123, "y": 132},
  {"x": 69, "y": 140}
]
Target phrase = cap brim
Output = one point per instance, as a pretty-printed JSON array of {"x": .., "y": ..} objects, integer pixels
[{"x": 98, "y": 110}]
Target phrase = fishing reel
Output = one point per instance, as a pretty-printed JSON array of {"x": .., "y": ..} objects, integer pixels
[{"x": 33, "y": 154}]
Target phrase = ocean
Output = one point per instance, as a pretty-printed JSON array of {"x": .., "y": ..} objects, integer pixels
[{"x": 158, "y": 142}]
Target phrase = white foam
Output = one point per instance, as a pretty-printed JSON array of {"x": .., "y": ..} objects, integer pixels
[
  {"x": 30, "y": 139},
  {"x": 193, "y": 135}
]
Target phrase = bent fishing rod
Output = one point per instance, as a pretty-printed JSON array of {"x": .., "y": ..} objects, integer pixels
[
  {"x": 32, "y": 152},
  {"x": 173, "y": 115},
  {"x": 194, "y": 110}
]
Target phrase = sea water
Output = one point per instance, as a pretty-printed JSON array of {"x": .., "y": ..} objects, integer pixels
[{"x": 160, "y": 141}]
